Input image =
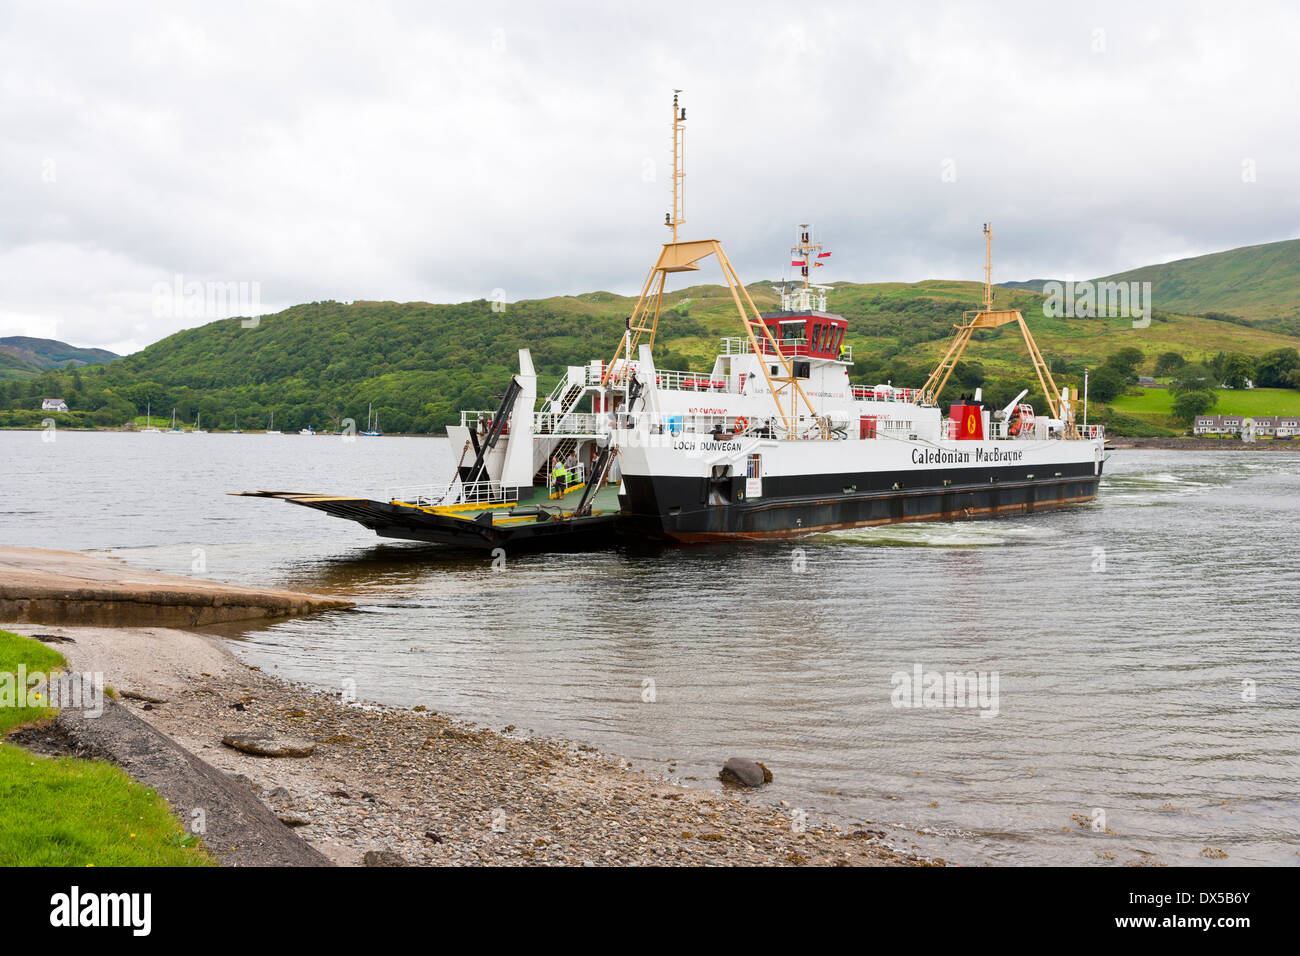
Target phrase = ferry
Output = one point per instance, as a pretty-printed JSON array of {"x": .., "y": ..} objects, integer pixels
[
  {"x": 772, "y": 442},
  {"x": 775, "y": 442}
]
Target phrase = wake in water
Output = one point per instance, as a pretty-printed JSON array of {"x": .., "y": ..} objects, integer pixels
[{"x": 945, "y": 534}]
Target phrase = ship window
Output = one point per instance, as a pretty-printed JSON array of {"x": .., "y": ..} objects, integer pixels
[{"x": 754, "y": 467}]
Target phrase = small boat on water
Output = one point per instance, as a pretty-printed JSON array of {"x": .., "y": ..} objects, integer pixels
[
  {"x": 307, "y": 431},
  {"x": 774, "y": 441},
  {"x": 198, "y": 429},
  {"x": 372, "y": 423},
  {"x": 174, "y": 428},
  {"x": 270, "y": 428},
  {"x": 148, "y": 417}
]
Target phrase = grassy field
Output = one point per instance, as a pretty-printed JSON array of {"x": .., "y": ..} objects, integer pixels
[
  {"x": 67, "y": 812},
  {"x": 1156, "y": 404}
]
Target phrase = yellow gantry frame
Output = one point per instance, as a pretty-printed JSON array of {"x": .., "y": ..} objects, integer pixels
[
  {"x": 990, "y": 318},
  {"x": 682, "y": 257}
]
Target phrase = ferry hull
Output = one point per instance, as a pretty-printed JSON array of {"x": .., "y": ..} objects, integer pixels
[{"x": 679, "y": 508}]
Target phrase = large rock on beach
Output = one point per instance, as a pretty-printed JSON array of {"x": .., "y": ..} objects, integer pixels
[
  {"x": 740, "y": 772},
  {"x": 266, "y": 745}
]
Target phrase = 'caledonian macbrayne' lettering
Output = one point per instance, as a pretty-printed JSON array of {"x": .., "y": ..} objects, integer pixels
[{"x": 927, "y": 456}]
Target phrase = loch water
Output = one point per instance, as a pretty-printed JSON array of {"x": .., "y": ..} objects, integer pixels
[{"x": 1144, "y": 647}]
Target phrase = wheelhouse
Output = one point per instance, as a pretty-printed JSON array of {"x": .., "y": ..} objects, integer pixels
[{"x": 811, "y": 334}]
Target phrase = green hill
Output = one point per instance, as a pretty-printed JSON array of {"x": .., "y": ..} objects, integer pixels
[
  {"x": 420, "y": 363},
  {"x": 23, "y": 356},
  {"x": 1259, "y": 284}
]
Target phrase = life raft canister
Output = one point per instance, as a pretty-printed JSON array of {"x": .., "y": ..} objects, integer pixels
[{"x": 1022, "y": 419}]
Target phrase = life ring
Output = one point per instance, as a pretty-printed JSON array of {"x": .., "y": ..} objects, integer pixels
[{"x": 742, "y": 424}]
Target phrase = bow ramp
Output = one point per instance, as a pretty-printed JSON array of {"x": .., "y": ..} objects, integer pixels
[{"x": 551, "y": 522}]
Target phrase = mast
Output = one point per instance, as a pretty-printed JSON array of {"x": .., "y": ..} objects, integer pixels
[
  {"x": 806, "y": 255},
  {"x": 679, "y": 256},
  {"x": 678, "y": 216},
  {"x": 988, "y": 267}
]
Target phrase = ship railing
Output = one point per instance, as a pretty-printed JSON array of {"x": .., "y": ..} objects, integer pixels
[
  {"x": 476, "y": 418},
  {"x": 653, "y": 430},
  {"x": 1090, "y": 431},
  {"x": 544, "y": 423},
  {"x": 572, "y": 478},
  {"x": 690, "y": 381},
  {"x": 681, "y": 381},
  {"x": 885, "y": 393},
  {"x": 460, "y": 493},
  {"x": 571, "y": 424},
  {"x": 740, "y": 345},
  {"x": 573, "y": 376},
  {"x": 897, "y": 427}
]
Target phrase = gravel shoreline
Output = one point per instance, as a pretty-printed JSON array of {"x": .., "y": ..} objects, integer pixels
[{"x": 390, "y": 786}]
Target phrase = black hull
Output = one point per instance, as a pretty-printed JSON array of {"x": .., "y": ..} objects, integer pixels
[{"x": 694, "y": 510}]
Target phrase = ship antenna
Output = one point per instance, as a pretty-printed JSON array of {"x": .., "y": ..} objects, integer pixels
[
  {"x": 988, "y": 267},
  {"x": 678, "y": 215},
  {"x": 807, "y": 255}
]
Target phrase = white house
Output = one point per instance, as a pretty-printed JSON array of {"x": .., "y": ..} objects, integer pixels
[
  {"x": 1271, "y": 426},
  {"x": 54, "y": 405}
]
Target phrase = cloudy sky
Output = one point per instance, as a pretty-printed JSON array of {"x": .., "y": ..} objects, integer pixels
[{"x": 440, "y": 151}]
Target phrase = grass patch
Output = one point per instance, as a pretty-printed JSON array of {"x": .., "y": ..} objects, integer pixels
[
  {"x": 1156, "y": 404},
  {"x": 68, "y": 812},
  {"x": 39, "y": 659},
  {"x": 16, "y": 650}
]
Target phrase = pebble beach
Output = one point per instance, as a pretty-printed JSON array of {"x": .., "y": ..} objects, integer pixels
[{"x": 383, "y": 786}]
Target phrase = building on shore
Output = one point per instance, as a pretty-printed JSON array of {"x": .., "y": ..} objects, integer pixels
[
  {"x": 53, "y": 405},
  {"x": 1264, "y": 426}
]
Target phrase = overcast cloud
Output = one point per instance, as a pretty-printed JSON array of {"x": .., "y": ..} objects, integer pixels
[{"x": 416, "y": 151}]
